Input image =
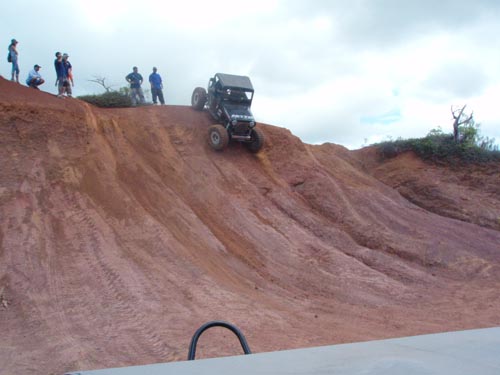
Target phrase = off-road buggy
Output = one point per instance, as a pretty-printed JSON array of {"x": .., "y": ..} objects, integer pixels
[{"x": 228, "y": 99}]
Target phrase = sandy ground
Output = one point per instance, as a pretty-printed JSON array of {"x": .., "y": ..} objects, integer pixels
[{"x": 121, "y": 232}]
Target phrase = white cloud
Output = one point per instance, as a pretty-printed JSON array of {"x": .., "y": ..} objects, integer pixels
[{"x": 98, "y": 16}]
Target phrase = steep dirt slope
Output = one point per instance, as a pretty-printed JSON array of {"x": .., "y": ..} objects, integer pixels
[
  {"x": 121, "y": 232},
  {"x": 465, "y": 192}
]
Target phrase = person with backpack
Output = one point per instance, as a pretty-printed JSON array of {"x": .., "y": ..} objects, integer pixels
[
  {"x": 135, "y": 80},
  {"x": 35, "y": 78},
  {"x": 12, "y": 57}
]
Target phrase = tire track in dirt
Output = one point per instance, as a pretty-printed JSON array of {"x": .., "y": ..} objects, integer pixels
[
  {"x": 124, "y": 307},
  {"x": 161, "y": 350},
  {"x": 75, "y": 309},
  {"x": 56, "y": 283}
]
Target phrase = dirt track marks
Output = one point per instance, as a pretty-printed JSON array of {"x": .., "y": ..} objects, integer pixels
[{"x": 120, "y": 311}]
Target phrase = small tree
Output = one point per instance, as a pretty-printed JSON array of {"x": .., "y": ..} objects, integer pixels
[
  {"x": 460, "y": 119},
  {"x": 101, "y": 81}
]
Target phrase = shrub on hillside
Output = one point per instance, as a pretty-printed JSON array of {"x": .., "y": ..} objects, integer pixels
[
  {"x": 441, "y": 148},
  {"x": 111, "y": 99}
]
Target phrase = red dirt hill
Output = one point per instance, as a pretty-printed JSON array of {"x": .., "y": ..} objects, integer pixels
[{"x": 121, "y": 232}]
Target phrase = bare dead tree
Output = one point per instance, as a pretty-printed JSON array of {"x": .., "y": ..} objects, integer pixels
[
  {"x": 102, "y": 82},
  {"x": 459, "y": 119}
]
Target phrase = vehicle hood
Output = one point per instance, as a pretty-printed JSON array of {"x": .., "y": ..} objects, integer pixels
[{"x": 238, "y": 112}]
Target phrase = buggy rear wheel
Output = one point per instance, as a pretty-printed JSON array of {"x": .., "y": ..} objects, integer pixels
[
  {"x": 218, "y": 138},
  {"x": 199, "y": 98},
  {"x": 257, "y": 140}
]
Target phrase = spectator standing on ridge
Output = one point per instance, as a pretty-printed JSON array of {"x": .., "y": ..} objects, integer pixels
[
  {"x": 59, "y": 66},
  {"x": 13, "y": 58},
  {"x": 35, "y": 78},
  {"x": 156, "y": 87},
  {"x": 135, "y": 80},
  {"x": 68, "y": 69}
]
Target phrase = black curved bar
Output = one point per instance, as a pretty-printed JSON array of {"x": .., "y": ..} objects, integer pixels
[{"x": 216, "y": 323}]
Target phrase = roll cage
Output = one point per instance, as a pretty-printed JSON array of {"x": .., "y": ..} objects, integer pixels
[{"x": 231, "y": 88}]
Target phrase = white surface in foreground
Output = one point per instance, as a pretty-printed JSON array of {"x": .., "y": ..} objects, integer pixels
[{"x": 457, "y": 353}]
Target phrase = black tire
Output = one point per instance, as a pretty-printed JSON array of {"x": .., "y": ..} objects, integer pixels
[
  {"x": 257, "y": 140},
  {"x": 218, "y": 137},
  {"x": 199, "y": 98}
]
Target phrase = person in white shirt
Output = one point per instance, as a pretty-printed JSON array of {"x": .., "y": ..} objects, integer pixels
[{"x": 35, "y": 78}]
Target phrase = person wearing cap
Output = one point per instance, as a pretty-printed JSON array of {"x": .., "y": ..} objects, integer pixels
[
  {"x": 135, "y": 80},
  {"x": 156, "y": 86},
  {"x": 69, "y": 69},
  {"x": 68, "y": 73},
  {"x": 13, "y": 58},
  {"x": 35, "y": 78}
]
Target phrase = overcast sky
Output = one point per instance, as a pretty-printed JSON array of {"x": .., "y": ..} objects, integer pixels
[{"x": 346, "y": 72}]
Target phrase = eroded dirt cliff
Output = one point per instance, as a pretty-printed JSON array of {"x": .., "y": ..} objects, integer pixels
[{"x": 121, "y": 232}]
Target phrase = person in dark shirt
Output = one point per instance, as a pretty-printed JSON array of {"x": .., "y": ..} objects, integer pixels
[
  {"x": 156, "y": 87},
  {"x": 135, "y": 80},
  {"x": 61, "y": 75}
]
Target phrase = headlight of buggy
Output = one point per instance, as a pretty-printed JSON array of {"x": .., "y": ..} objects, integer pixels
[
  {"x": 234, "y": 122},
  {"x": 251, "y": 124}
]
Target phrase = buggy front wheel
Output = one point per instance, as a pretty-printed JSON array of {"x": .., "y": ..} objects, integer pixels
[
  {"x": 257, "y": 140},
  {"x": 199, "y": 98},
  {"x": 218, "y": 138}
]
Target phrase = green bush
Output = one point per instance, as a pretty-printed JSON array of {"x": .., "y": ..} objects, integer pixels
[
  {"x": 439, "y": 147},
  {"x": 111, "y": 99}
]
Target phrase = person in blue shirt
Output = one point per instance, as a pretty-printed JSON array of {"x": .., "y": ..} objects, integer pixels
[
  {"x": 62, "y": 78},
  {"x": 35, "y": 78},
  {"x": 135, "y": 80},
  {"x": 156, "y": 87}
]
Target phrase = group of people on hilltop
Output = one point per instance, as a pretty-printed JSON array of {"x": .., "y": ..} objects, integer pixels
[
  {"x": 64, "y": 80},
  {"x": 136, "y": 94},
  {"x": 64, "y": 71}
]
